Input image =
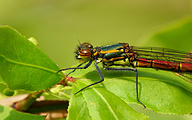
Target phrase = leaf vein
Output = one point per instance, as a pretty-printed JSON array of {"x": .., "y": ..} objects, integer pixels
[
  {"x": 108, "y": 105},
  {"x": 28, "y": 65}
]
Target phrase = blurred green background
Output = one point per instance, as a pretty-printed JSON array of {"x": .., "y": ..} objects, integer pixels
[{"x": 59, "y": 24}]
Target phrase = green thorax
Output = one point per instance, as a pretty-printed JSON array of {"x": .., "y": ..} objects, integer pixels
[
  {"x": 112, "y": 51},
  {"x": 112, "y": 47}
]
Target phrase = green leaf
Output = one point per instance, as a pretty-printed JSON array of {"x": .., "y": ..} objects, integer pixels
[
  {"x": 161, "y": 91},
  {"x": 23, "y": 65},
  {"x": 1, "y": 80},
  {"x": 99, "y": 104},
  {"x": 11, "y": 114},
  {"x": 2, "y": 88},
  {"x": 8, "y": 92}
]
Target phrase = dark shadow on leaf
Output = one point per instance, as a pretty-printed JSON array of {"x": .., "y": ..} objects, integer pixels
[
  {"x": 152, "y": 74},
  {"x": 116, "y": 74}
]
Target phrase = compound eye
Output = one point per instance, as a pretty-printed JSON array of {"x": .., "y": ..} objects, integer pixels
[
  {"x": 86, "y": 45},
  {"x": 90, "y": 46},
  {"x": 85, "y": 53}
]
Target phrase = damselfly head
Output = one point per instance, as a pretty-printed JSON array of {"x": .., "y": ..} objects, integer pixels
[{"x": 84, "y": 51}]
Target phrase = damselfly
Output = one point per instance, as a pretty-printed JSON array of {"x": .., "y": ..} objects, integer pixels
[{"x": 121, "y": 54}]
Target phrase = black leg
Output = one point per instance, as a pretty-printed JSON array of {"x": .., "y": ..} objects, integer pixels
[
  {"x": 101, "y": 77},
  {"x": 74, "y": 69},
  {"x": 86, "y": 66},
  {"x": 130, "y": 69}
]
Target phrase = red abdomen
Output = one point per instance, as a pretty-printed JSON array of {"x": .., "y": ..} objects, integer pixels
[{"x": 166, "y": 65}]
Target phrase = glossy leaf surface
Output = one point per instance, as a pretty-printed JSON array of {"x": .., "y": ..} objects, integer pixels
[
  {"x": 161, "y": 91},
  {"x": 23, "y": 65},
  {"x": 99, "y": 104},
  {"x": 11, "y": 114}
]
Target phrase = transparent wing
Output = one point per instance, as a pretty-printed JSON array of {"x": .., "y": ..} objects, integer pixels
[{"x": 163, "y": 54}]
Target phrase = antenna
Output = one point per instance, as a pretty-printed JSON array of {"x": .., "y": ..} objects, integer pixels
[{"x": 79, "y": 41}]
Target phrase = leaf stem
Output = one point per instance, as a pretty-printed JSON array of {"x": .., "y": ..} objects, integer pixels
[{"x": 23, "y": 105}]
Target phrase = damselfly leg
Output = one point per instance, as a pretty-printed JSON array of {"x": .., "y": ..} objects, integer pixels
[
  {"x": 78, "y": 67},
  {"x": 130, "y": 69},
  {"x": 74, "y": 70},
  {"x": 101, "y": 79}
]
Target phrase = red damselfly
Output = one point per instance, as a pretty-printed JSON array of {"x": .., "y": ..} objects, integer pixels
[{"x": 121, "y": 54}]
